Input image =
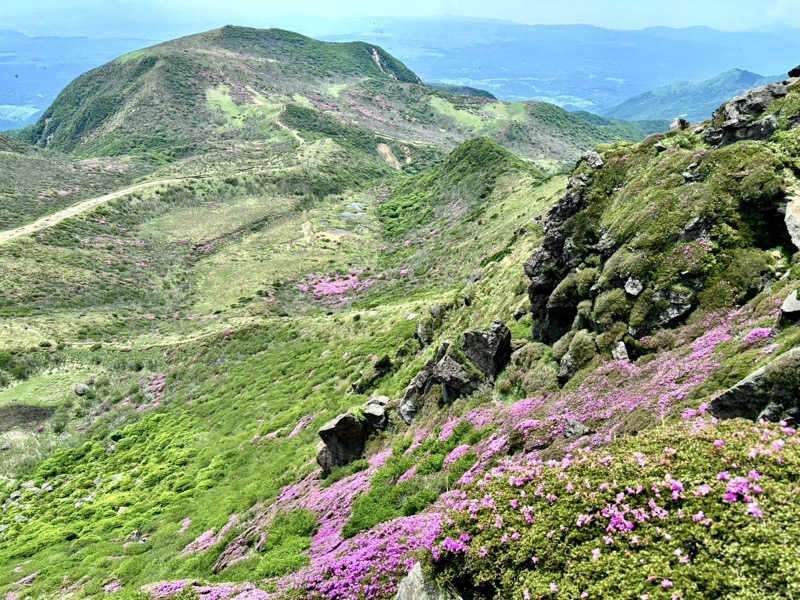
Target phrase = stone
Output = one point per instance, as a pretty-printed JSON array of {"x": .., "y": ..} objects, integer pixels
[
  {"x": 620, "y": 352},
  {"x": 454, "y": 378},
  {"x": 593, "y": 159},
  {"x": 376, "y": 417},
  {"x": 575, "y": 429},
  {"x": 520, "y": 312},
  {"x": 5, "y": 447},
  {"x": 489, "y": 349},
  {"x": 659, "y": 146},
  {"x": 795, "y": 72},
  {"x": 679, "y": 124},
  {"x": 695, "y": 229},
  {"x": 790, "y": 309},
  {"x": 771, "y": 392},
  {"x": 792, "y": 217},
  {"x": 678, "y": 304},
  {"x": 633, "y": 286},
  {"x": 566, "y": 368},
  {"x": 738, "y": 119},
  {"x": 415, "y": 586},
  {"x": 698, "y": 130},
  {"x": 81, "y": 389},
  {"x": 344, "y": 438}
]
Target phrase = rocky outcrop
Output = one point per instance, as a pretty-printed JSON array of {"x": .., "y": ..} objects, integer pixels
[
  {"x": 771, "y": 393},
  {"x": 739, "y": 119},
  {"x": 795, "y": 72},
  {"x": 790, "y": 309},
  {"x": 792, "y": 217},
  {"x": 489, "y": 349},
  {"x": 344, "y": 438},
  {"x": 346, "y": 435},
  {"x": 415, "y": 586},
  {"x": 548, "y": 264},
  {"x": 669, "y": 307},
  {"x": 679, "y": 124},
  {"x": 459, "y": 368}
]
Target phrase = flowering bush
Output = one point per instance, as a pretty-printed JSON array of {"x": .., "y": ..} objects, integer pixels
[{"x": 696, "y": 510}]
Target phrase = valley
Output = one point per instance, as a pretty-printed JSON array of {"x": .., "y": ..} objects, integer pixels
[{"x": 304, "y": 327}]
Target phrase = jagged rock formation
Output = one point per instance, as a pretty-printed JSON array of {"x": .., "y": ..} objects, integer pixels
[
  {"x": 459, "y": 367},
  {"x": 739, "y": 119},
  {"x": 771, "y": 393},
  {"x": 345, "y": 436}
]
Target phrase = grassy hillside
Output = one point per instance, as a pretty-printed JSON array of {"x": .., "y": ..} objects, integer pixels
[
  {"x": 168, "y": 357},
  {"x": 236, "y": 88},
  {"x": 36, "y": 183},
  {"x": 691, "y": 100}
]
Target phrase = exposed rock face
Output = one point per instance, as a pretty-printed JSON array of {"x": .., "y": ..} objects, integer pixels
[
  {"x": 375, "y": 412},
  {"x": 548, "y": 264},
  {"x": 593, "y": 159},
  {"x": 792, "y": 218},
  {"x": 678, "y": 304},
  {"x": 416, "y": 587},
  {"x": 738, "y": 119},
  {"x": 459, "y": 368},
  {"x": 489, "y": 349},
  {"x": 790, "y": 309},
  {"x": 795, "y": 72},
  {"x": 620, "y": 352},
  {"x": 344, "y": 438},
  {"x": 679, "y": 124},
  {"x": 633, "y": 286},
  {"x": 771, "y": 392}
]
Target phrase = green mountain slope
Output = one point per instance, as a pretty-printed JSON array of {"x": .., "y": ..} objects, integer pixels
[
  {"x": 229, "y": 88},
  {"x": 693, "y": 101},
  {"x": 35, "y": 182},
  {"x": 168, "y": 358}
]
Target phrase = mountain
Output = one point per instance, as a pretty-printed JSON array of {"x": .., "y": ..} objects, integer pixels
[
  {"x": 251, "y": 89},
  {"x": 335, "y": 367},
  {"x": 462, "y": 90},
  {"x": 578, "y": 67},
  {"x": 693, "y": 101},
  {"x": 33, "y": 70}
]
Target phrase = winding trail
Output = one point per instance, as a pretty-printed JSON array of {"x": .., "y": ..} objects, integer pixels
[{"x": 81, "y": 207}]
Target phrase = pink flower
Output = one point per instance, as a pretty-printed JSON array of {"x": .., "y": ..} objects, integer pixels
[
  {"x": 553, "y": 587},
  {"x": 666, "y": 584},
  {"x": 596, "y": 554}
]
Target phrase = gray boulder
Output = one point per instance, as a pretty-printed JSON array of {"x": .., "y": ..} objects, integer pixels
[
  {"x": 792, "y": 217},
  {"x": 795, "y": 72},
  {"x": 593, "y": 159},
  {"x": 375, "y": 413},
  {"x": 633, "y": 286},
  {"x": 790, "y": 309},
  {"x": 489, "y": 349},
  {"x": 566, "y": 369},
  {"x": 620, "y": 352},
  {"x": 771, "y": 392},
  {"x": 344, "y": 438},
  {"x": 415, "y": 586},
  {"x": 679, "y": 124},
  {"x": 738, "y": 119},
  {"x": 676, "y": 304},
  {"x": 575, "y": 429},
  {"x": 81, "y": 389}
]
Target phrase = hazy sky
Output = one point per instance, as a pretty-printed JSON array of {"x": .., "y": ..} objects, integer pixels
[{"x": 160, "y": 18}]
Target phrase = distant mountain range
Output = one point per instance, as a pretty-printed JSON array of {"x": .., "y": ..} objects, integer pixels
[
  {"x": 574, "y": 66},
  {"x": 693, "y": 101},
  {"x": 33, "y": 70},
  {"x": 578, "y": 67}
]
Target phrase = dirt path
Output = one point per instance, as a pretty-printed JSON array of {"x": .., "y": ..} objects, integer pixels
[
  {"x": 81, "y": 207},
  {"x": 291, "y": 131}
]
